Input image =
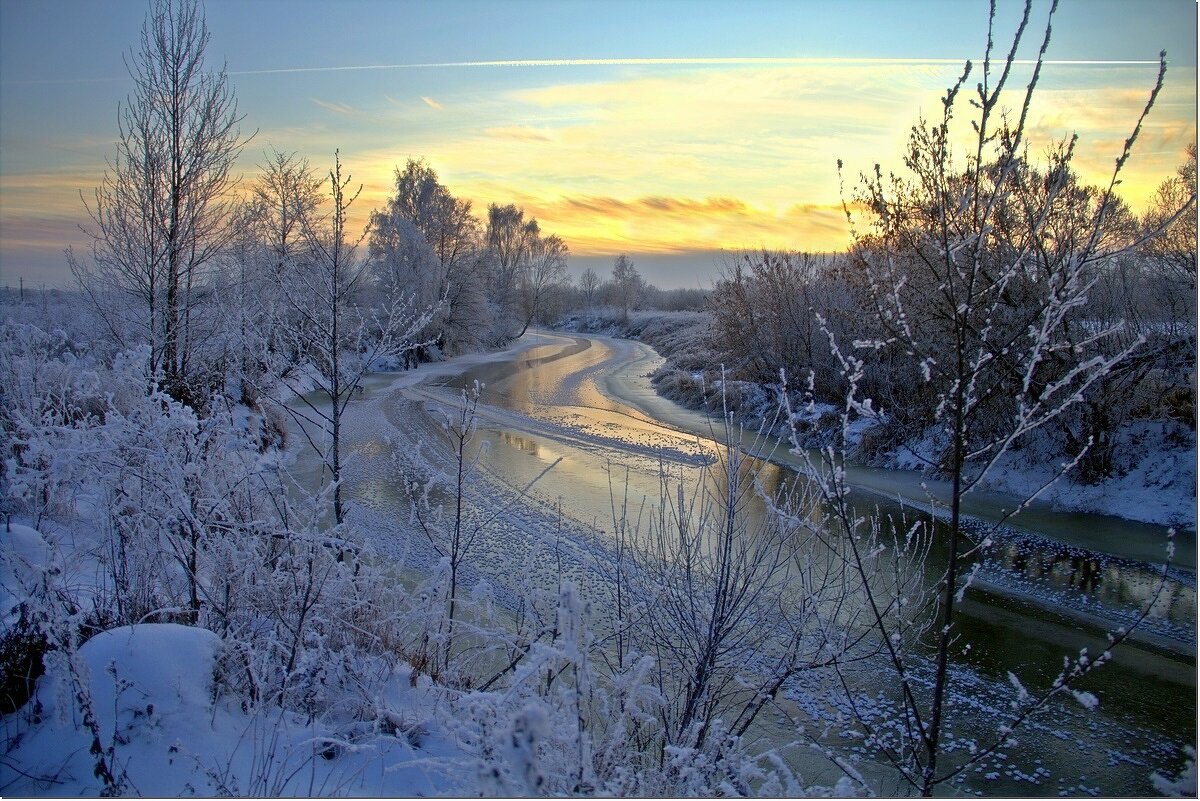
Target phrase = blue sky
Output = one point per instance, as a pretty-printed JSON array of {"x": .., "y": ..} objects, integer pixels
[{"x": 671, "y": 162}]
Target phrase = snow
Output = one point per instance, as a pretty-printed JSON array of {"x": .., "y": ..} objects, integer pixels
[
  {"x": 1155, "y": 484},
  {"x": 168, "y": 724},
  {"x": 167, "y": 730},
  {"x": 24, "y": 552},
  {"x": 1183, "y": 785}
]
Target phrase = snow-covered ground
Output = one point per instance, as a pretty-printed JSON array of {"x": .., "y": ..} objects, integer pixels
[
  {"x": 1155, "y": 484},
  {"x": 159, "y": 724},
  {"x": 145, "y": 710}
]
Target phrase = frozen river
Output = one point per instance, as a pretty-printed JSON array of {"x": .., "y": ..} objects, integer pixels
[{"x": 1053, "y": 586}]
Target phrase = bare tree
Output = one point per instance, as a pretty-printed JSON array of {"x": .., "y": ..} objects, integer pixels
[
  {"x": 457, "y": 523},
  {"x": 544, "y": 278},
  {"x": 160, "y": 215},
  {"x": 627, "y": 285},
  {"x": 721, "y": 581},
  {"x": 589, "y": 282},
  {"x": 286, "y": 194},
  {"x": 509, "y": 237},
  {"x": 1174, "y": 233},
  {"x": 973, "y": 273},
  {"x": 336, "y": 334},
  {"x": 268, "y": 242},
  {"x": 762, "y": 309}
]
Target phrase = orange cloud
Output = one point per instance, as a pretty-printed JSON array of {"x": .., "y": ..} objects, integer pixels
[{"x": 604, "y": 225}]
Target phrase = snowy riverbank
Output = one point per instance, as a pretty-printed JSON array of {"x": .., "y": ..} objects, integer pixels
[{"x": 1154, "y": 476}]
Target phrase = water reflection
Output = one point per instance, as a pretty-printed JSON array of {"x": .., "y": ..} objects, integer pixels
[
  {"x": 612, "y": 454},
  {"x": 524, "y": 444},
  {"x": 1098, "y": 579},
  {"x": 561, "y": 383}
]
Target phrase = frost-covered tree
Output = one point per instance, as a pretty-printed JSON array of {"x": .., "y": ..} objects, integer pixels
[
  {"x": 160, "y": 216},
  {"x": 545, "y": 278},
  {"x": 509, "y": 237},
  {"x": 286, "y": 193},
  {"x": 338, "y": 329},
  {"x": 626, "y": 285},
  {"x": 720, "y": 578},
  {"x": 268, "y": 243},
  {"x": 427, "y": 242}
]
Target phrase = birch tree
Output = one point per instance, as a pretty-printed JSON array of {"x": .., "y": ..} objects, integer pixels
[
  {"x": 544, "y": 278},
  {"x": 509, "y": 236},
  {"x": 159, "y": 217},
  {"x": 626, "y": 285}
]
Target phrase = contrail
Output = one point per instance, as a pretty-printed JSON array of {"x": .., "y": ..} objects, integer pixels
[
  {"x": 616, "y": 62},
  {"x": 672, "y": 61}
]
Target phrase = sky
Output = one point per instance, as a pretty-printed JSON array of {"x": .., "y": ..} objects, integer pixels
[{"x": 676, "y": 132}]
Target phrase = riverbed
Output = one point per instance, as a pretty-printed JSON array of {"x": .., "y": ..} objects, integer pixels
[{"x": 1054, "y": 584}]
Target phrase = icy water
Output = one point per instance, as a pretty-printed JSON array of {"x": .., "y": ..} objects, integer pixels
[{"x": 1054, "y": 586}]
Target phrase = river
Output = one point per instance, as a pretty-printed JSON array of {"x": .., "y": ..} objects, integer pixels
[{"x": 1055, "y": 583}]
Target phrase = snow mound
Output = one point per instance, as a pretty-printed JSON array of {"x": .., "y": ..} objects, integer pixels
[
  {"x": 163, "y": 729},
  {"x": 162, "y": 671},
  {"x": 150, "y": 688},
  {"x": 23, "y": 551}
]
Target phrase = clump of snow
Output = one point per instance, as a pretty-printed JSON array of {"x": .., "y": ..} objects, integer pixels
[
  {"x": 1086, "y": 700},
  {"x": 1184, "y": 784},
  {"x": 24, "y": 552},
  {"x": 812, "y": 412}
]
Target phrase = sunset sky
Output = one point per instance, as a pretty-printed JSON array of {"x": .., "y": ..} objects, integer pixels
[{"x": 671, "y": 131}]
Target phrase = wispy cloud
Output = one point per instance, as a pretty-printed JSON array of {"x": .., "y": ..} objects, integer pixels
[
  {"x": 598, "y": 225},
  {"x": 518, "y": 133},
  {"x": 429, "y": 101},
  {"x": 336, "y": 108}
]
